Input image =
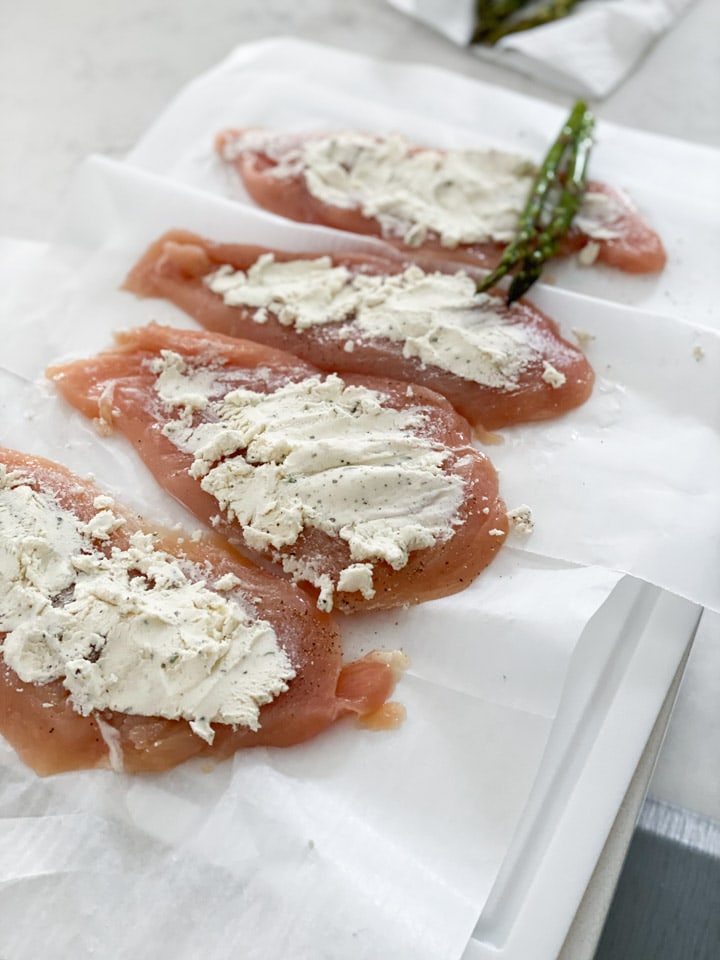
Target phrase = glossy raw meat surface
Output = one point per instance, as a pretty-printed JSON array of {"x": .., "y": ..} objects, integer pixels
[
  {"x": 50, "y": 736},
  {"x": 119, "y": 387},
  {"x": 174, "y": 268}
]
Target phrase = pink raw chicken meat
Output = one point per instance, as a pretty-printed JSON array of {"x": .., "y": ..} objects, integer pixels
[
  {"x": 51, "y": 736},
  {"x": 176, "y": 266},
  {"x": 119, "y": 387},
  {"x": 256, "y": 154}
]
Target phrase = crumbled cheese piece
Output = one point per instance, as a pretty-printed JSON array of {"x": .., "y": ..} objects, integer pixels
[
  {"x": 319, "y": 454},
  {"x": 357, "y": 577},
  {"x": 397, "y": 660},
  {"x": 180, "y": 388},
  {"x": 552, "y": 376},
  {"x": 589, "y": 254},
  {"x": 102, "y": 524},
  {"x": 698, "y": 352},
  {"x": 227, "y": 582},
  {"x": 9, "y": 478},
  {"x": 307, "y": 570},
  {"x": 521, "y": 519},
  {"x": 495, "y": 532},
  {"x": 327, "y": 590},
  {"x": 439, "y": 318},
  {"x": 583, "y": 337},
  {"x": 126, "y": 629},
  {"x": 349, "y": 346},
  {"x": 461, "y": 196}
]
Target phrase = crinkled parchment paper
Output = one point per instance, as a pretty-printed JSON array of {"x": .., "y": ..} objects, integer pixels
[
  {"x": 299, "y": 86},
  {"x": 358, "y": 844}
]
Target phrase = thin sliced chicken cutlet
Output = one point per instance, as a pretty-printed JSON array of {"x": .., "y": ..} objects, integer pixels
[
  {"x": 368, "y": 560},
  {"x": 51, "y": 736},
  {"x": 502, "y": 365},
  {"x": 276, "y": 172}
]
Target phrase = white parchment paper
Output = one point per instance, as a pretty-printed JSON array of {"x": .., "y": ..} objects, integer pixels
[
  {"x": 627, "y": 481},
  {"x": 359, "y": 844},
  {"x": 293, "y": 85},
  {"x": 588, "y": 52}
]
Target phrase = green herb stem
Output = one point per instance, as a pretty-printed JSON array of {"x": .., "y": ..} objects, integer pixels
[{"x": 555, "y": 197}]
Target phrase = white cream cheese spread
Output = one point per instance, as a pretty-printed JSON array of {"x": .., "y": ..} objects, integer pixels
[
  {"x": 460, "y": 196},
  {"x": 318, "y": 455},
  {"x": 126, "y": 629},
  {"x": 439, "y": 318}
]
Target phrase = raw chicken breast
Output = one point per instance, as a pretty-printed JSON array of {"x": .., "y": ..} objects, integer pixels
[
  {"x": 371, "y": 525},
  {"x": 497, "y": 365},
  {"x": 50, "y": 735},
  {"x": 314, "y": 179}
]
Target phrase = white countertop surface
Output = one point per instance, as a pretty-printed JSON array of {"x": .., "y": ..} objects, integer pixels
[{"x": 81, "y": 77}]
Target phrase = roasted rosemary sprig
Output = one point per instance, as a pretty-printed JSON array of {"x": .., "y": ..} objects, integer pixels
[
  {"x": 499, "y": 18},
  {"x": 555, "y": 197}
]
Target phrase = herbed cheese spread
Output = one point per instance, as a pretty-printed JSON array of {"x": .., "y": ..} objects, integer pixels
[
  {"x": 521, "y": 519},
  {"x": 439, "y": 318},
  {"x": 125, "y": 629},
  {"x": 461, "y": 196},
  {"x": 316, "y": 454}
]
